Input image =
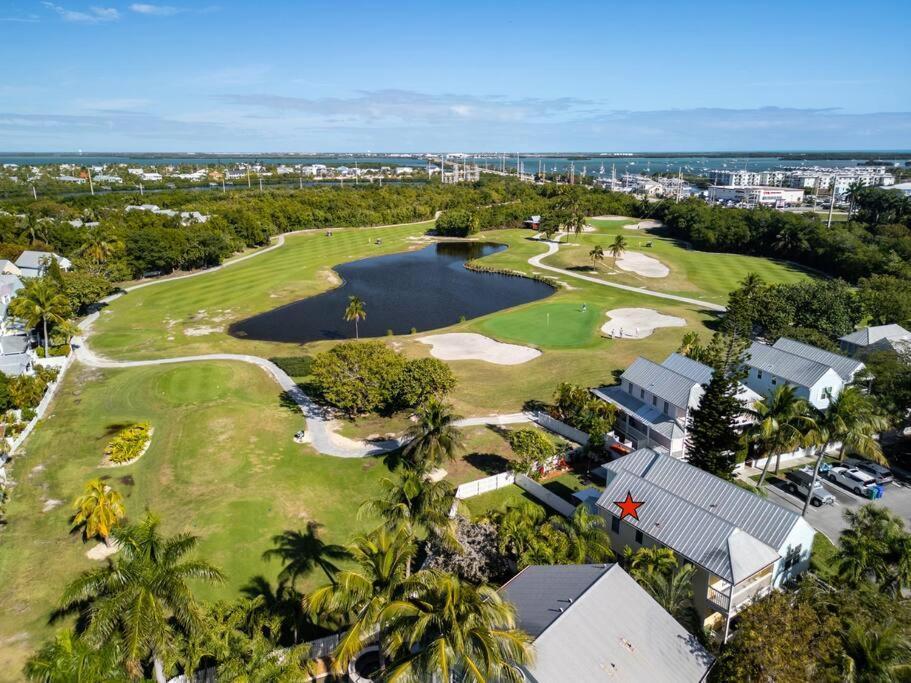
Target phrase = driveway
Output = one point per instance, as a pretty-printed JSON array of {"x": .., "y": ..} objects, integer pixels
[{"x": 829, "y": 519}]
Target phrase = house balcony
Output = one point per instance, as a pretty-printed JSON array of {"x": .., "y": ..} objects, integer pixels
[
  {"x": 753, "y": 588},
  {"x": 640, "y": 440}
]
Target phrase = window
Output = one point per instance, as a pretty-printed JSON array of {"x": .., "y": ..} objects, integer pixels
[
  {"x": 793, "y": 557},
  {"x": 615, "y": 524},
  {"x": 667, "y": 409},
  {"x": 654, "y": 400},
  {"x": 759, "y": 374},
  {"x": 638, "y": 537},
  {"x": 641, "y": 393},
  {"x": 774, "y": 381}
]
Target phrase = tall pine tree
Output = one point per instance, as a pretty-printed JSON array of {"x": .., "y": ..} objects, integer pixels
[{"x": 712, "y": 441}]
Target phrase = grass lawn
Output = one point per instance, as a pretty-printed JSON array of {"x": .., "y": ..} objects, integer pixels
[
  {"x": 696, "y": 274},
  {"x": 222, "y": 465},
  {"x": 191, "y": 316},
  {"x": 556, "y": 325},
  {"x": 822, "y": 559}
]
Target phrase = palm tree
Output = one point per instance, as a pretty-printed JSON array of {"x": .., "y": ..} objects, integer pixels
[
  {"x": 617, "y": 247},
  {"x": 413, "y": 500},
  {"x": 98, "y": 510},
  {"x": 362, "y": 594},
  {"x": 303, "y": 551},
  {"x": 284, "y": 601},
  {"x": 673, "y": 589},
  {"x": 596, "y": 254},
  {"x": 877, "y": 652},
  {"x": 70, "y": 659},
  {"x": 143, "y": 595},
  {"x": 575, "y": 222},
  {"x": 781, "y": 424},
  {"x": 588, "y": 539},
  {"x": 40, "y": 302},
  {"x": 864, "y": 545},
  {"x": 435, "y": 439},
  {"x": 356, "y": 310},
  {"x": 853, "y": 420},
  {"x": 854, "y": 191},
  {"x": 98, "y": 247},
  {"x": 791, "y": 239},
  {"x": 443, "y": 628}
]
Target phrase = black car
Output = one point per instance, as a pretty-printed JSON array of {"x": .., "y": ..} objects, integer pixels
[{"x": 882, "y": 473}]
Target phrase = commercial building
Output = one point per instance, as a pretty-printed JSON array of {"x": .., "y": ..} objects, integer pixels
[
  {"x": 593, "y": 622},
  {"x": 755, "y": 195},
  {"x": 742, "y": 546}
]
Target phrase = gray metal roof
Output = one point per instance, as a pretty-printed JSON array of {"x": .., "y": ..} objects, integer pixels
[
  {"x": 644, "y": 412},
  {"x": 35, "y": 260},
  {"x": 13, "y": 344},
  {"x": 871, "y": 335},
  {"x": 789, "y": 366},
  {"x": 9, "y": 284},
  {"x": 612, "y": 630},
  {"x": 845, "y": 367},
  {"x": 695, "y": 513},
  {"x": 696, "y": 371},
  {"x": 661, "y": 381}
]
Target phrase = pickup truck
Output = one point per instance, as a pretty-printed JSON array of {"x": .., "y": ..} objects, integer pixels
[
  {"x": 799, "y": 484},
  {"x": 851, "y": 478}
]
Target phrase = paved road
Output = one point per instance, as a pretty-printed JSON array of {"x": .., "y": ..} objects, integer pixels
[
  {"x": 829, "y": 519},
  {"x": 553, "y": 247}
]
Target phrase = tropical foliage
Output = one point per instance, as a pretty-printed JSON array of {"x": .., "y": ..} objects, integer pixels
[
  {"x": 98, "y": 510},
  {"x": 129, "y": 443}
]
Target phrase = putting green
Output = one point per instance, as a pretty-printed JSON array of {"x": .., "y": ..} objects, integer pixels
[{"x": 550, "y": 325}]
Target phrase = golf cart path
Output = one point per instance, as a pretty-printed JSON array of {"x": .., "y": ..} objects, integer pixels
[
  {"x": 321, "y": 427},
  {"x": 553, "y": 247}
]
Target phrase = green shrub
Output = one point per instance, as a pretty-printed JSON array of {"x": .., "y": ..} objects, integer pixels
[
  {"x": 128, "y": 443},
  {"x": 28, "y": 414},
  {"x": 533, "y": 448},
  {"x": 294, "y": 366}
]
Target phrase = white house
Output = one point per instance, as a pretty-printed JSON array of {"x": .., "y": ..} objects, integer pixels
[
  {"x": 817, "y": 375},
  {"x": 9, "y": 286},
  {"x": 151, "y": 176},
  {"x": 654, "y": 401},
  {"x": 741, "y": 545},
  {"x": 34, "y": 263}
]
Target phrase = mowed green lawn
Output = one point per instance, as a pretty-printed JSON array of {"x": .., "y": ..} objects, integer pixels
[
  {"x": 191, "y": 316},
  {"x": 697, "y": 274},
  {"x": 222, "y": 465}
]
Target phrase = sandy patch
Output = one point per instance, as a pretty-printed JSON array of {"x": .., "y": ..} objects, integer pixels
[
  {"x": 611, "y": 218},
  {"x": 331, "y": 277},
  {"x": 50, "y": 504},
  {"x": 644, "y": 225},
  {"x": 637, "y": 323},
  {"x": 202, "y": 331},
  {"x": 102, "y": 551},
  {"x": 640, "y": 264},
  {"x": 469, "y": 346}
]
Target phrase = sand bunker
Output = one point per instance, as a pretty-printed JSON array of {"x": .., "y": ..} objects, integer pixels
[
  {"x": 637, "y": 323},
  {"x": 644, "y": 225},
  {"x": 643, "y": 265},
  {"x": 468, "y": 346},
  {"x": 102, "y": 551}
]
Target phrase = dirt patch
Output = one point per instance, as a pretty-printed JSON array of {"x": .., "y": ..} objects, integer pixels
[
  {"x": 102, "y": 551},
  {"x": 50, "y": 504},
  {"x": 202, "y": 331},
  {"x": 644, "y": 225},
  {"x": 640, "y": 264},
  {"x": 330, "y": 276},
  {"x": 470, "y": 346},
  {"x": 637, "y": 323}
]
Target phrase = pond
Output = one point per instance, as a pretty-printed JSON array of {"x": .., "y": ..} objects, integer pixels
[{"x": 425, "y": 289}]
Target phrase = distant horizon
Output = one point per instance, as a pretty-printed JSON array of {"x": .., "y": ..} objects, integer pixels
[{"x": 470, "y": 152}]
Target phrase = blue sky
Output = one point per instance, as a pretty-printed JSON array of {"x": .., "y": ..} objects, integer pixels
[{"x": 315, "y": 75}]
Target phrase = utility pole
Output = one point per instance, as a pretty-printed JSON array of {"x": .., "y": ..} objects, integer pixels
[
  {"x": 223, "y": 189},
  {"x": 356, "y": 177},
  {"x": 301, "y": 177},
  {"x": 260, "y": 183},
  {"x": 248, "y": 178},
  {"x": 91, "y": 187},
  {"x": 34, "y": 193},
  {"x": 141, "y": 193},
  {"x": 831, "y": 205}
]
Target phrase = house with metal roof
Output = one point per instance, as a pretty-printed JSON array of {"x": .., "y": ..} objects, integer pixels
[
  {"x": 815, "y": 381},
  {"x": 876, "y": 338},
  {"x": 35, "y": 263},
  {"x": 593, "y": 622},
  {"x": 9, "y": 286},
  {"x": 847, "y": 368},
  {"x": 742, "y": 545},
  {"x": 16, "y": 357},
  {"x": 654, "y": 401}
]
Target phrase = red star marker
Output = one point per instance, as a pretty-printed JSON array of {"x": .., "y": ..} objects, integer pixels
[{"x": 629, "y": 507}]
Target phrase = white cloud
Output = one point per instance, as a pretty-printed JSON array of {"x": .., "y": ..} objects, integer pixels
[
  {"x": 155, "y": 10},
  {"x": 94, "y": 15},
  {"x": 26, "y": 19}
]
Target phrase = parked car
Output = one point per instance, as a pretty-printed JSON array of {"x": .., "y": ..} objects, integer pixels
[
  {"x": 799, "y": 484},
  {"x": 852, "y": 479},
  {"x": 881, "y": 473}
]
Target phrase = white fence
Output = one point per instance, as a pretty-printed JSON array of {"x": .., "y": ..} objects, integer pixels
[
  {"x": 43, "y": 405},
  {"x": 479, "y": 486},
  {"x": 549, "y": 498},
  {"x": 561, "y": 428}
]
